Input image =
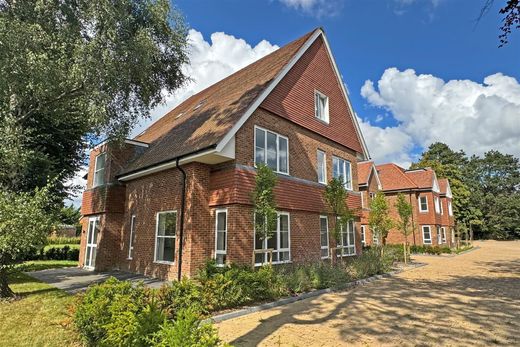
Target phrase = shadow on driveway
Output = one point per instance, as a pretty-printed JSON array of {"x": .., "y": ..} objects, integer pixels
[{"x": 73, "y": 279}]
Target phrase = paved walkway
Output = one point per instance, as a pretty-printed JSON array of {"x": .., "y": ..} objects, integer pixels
[
  {"x": 74, "y": 279},
  {"x": 469, "y": 300}
]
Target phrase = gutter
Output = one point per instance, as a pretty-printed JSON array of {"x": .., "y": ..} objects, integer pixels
[{"x": 181, "y": 232}]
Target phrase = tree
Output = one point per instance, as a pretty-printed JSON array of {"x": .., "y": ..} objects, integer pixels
[
  {"x": 404, "y": 224},
  {"x": 511, "y": 20},
  {"x": 378, "y": 218},
  {"x": 25, "y": 222},
  {"x": 336, "y": 197},
  {"x": 264, "y": 202},
  {"x": 71, "y": 71}
]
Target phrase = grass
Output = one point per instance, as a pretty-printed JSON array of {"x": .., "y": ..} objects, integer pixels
[{"x": 39, "y": 317}]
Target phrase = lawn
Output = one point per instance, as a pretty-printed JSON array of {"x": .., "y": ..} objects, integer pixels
[{"x": 40, "y": 316}]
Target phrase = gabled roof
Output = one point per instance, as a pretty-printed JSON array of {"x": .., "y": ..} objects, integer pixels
[
  {"x": 444, "y": 187},
  {"x": 423, "y": 178},
  {"x": 365, "y": 170},
  {"x": 209, "y": 119},
  {"x": 394, "y": 177}
]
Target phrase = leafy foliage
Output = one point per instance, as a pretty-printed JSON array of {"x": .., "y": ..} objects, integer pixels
[
  {"x": 264, "y": 202},
  {"x": 336, "y": 197},
  {"x": 378, "y": 218},
  {"x": 71, "y": 71},
  {"x": 404, "y": 224},
  {"x": 24, "y": 224}
]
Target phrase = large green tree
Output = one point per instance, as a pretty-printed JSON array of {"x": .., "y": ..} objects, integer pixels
[{"x": 74, "y": 70}]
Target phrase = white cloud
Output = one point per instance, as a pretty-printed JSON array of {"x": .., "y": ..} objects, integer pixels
[
  {"x": 464, "y": 114},
  {"x": 79, "y": 182},
  {"x": 316, "y": 8},
  {"x": 209, "y": 63}
]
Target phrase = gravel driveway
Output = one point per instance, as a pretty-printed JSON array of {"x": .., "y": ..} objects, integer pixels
[{"x": 467, "y": 300}]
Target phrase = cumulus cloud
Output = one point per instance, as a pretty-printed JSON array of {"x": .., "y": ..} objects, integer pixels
[
  {"x": 209, "y": 62},
  {"x": 464, "y": 114},
  {"x": 316, "y": 8}
]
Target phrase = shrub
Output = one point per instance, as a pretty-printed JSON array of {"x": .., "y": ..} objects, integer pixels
[
  {"x": 186, "y": 330},
  {"x": 63, "y": 240},
  {"x": 437, "y": 250},
  {"x": 180, "y": 295},
  {"x": 114, "y": 313},
  {"x": 55, "y": 253},
  {"x": 300, "y": 278},
  {"x": 370, "y": 263}
]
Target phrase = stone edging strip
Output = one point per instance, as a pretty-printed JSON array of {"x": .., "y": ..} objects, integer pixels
[{"x": 290, "y": 300}]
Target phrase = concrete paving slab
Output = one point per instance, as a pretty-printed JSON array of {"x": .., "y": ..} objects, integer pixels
[{"x": 73, "y": 279}]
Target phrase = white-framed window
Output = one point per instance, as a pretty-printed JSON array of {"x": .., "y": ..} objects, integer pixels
[
  {"x": 324, "y": 236},
  {"x": 439, "y": 235},
  {"x": 342, "y": 170},
  {"x": 450, "y": 209},
  {"x": 346, "y": 245},
  {"x": 272, "y": 149},
  {"x": 372, "y": 195},
  {"x": 427, "y": 235},
  {"x": 220, "y": 236},
  {"x": 423, "y": 204},
  {"x": 443, "y": 231},
  {"x": 437, "y": 205},
  {"x": 452, "y": 235},
  {"x": 280, "y": 242},
  {"x": 99, "y": 170},
  {"x": 363, "y": 235},
  {"x": 375, "y": 239},
  {"x": 362, "y": 199},
  {"x": 131, "y": 241},
  {"x": 321, "y": 106},
  {"x": 322, "y": 167},
  {"x": 165, "y": 235}
]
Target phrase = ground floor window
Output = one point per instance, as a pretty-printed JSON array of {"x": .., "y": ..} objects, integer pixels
[
  {"x": 131, "y": 241},
  {"x": 452, "y": 235},
  {"x": 165, "y": 235},
  {"x": 443, "y": 232},
  {"x": 220, "y": 236},
  {"x": 363, "y": 235},
  {"x": 427, "y": 236},
  {"x": 324, "y": 236},
  {"x": 279, "y": 242},
  {"x": 91, "y": 246},
  {"x": 346, "y": 245},
  {"x": 375, "y": 239},
  {"x": 439, "y": 235}
]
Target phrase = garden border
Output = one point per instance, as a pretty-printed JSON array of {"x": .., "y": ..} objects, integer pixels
[
  {"x": 451, "y": 255},
  {"x": 285, "y": 301}
]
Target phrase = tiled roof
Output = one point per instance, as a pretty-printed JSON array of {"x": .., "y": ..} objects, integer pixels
[
  {"x": 423, "y": 178},
  {"x": 443, "y": 185},
  {"x": 364, "y": 169},
  {"x": 393, "y": 177},
  {"x": 204, "y": 119}
]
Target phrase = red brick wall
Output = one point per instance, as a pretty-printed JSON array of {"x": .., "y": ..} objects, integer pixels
[{"x": 293, "y": 97}]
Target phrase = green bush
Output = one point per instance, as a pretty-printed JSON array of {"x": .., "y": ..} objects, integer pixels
[
  {"x": 181, "y": 295},
  {"x": 437, "y": 250},
  {"x": 299, "y": 278},
  {"x": 56, "y": 252},
  {"x": 63, "y": 240},
  {"x": 186, "y": 330},
  {"x": 371, "y": 263}
]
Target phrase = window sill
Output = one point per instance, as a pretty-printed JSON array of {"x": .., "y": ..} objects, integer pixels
[
  {"x": 274, "y": 263},
  {"x": 164, "y": 262},
  {"x": 129, "y": 258},
  {"x": 324, "y": 122}
]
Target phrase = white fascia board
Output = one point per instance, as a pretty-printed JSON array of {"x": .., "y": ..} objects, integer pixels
[{"x": 268, "y": 90}]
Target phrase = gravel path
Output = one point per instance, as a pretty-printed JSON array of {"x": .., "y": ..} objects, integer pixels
[{"x": 469, "y": 300}]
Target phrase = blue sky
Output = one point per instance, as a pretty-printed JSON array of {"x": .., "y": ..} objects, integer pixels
[{"x": 417, "y": 71}]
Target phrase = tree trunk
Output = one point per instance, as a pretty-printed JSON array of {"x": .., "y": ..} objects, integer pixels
[{"x": 5, "y": 291}]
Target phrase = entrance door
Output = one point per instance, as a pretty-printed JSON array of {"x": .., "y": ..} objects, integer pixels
[{"x": 92, "y": 235}]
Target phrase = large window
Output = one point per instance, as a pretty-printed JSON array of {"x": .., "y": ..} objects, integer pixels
[
  {"x": 322, "y": 167},
  {"x": 99, "y": 170},
  {"x": 272, "y": 149},
  {"x": 423, "y": 204},
  {"x": 427, "y": 235},
  {"x": 341, "y": 170},
  {"x": 324, "y": 236},
  {"x": 363, "y": 235},
  {"x": 132, "y": 237},
  {"x": 346, "y": 245},
  {"x": 165, "y": 236},
  {"x": 321, "y": 106},
  {"x": 279, "y": 242},
  {"x": 220, "y": 237}
]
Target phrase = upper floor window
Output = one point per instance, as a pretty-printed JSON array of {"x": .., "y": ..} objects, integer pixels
[
  {"x": 437, "y": 205},
  {"x": 322, "y": 167},
  {"x": 450, "y": 209},
  {"x": 423, "y": 204},
  {"x": 321, "y": 106},
  {"x": 341, "y": 170},
  {"x": 99, "y": 170},
  {"x": 272, "y": 149}
]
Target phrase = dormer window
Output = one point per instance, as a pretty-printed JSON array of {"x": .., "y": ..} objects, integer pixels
[
  {"x": 99, "y": 170},
  {"x": 321, "y": 106}
]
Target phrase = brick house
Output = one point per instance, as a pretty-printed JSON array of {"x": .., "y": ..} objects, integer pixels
[
  {"x": 430, "y": 198},
  {"x": 190, "y": 175}
]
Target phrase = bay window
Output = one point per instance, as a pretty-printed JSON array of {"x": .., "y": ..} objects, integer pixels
[
  {"x": 346, "y": 245},
  {"x": 322, "y": 167},
  {"x": 99, "y": 170},
  {"x": 341, "y": 169}
]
